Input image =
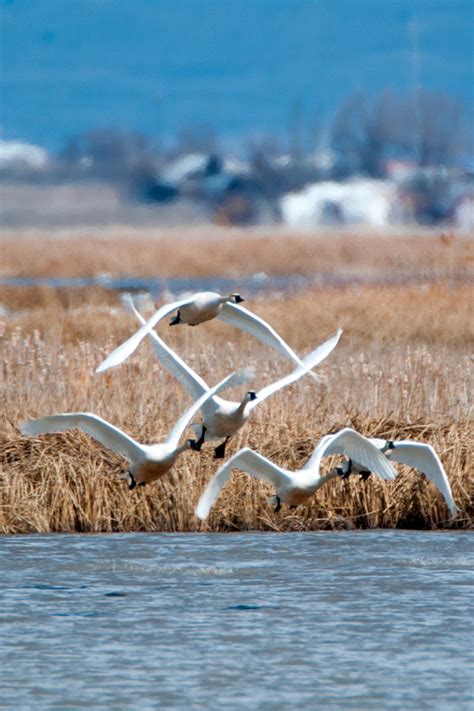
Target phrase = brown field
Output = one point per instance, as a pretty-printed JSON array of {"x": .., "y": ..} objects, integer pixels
[{"x": 403, "y": 369}]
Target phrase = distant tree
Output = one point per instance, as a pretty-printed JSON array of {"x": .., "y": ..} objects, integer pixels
[
  {"x": 200, "y": 138},
  {"x": 427, "y": 128},
  {"x": 108, "y": 154},
  {"x": 437, "y": 128}
]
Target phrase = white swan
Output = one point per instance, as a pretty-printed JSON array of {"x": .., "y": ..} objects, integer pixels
[
  {"x": 420, "y": 456},
  {"x": 223, "y": 418},
  {"x": 199, "y": 308},
  {"x": 293, "y": 488},
  {"x": 147, "y": 462}
]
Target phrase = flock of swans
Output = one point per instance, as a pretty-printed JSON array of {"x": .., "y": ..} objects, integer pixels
[{"x": 221, "y": 418}]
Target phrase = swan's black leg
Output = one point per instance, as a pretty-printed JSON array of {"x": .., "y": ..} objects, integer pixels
[
  {"x": 278, "y": 506},
  {"x": 345, "y": 470},
  {"x": 133, "y": 482},
  {"x": 196, "y": 444},
  {"x": 175, "y": 320},
  {"x": 364, "y": 475},
  {"x": 219, "y": 452}
]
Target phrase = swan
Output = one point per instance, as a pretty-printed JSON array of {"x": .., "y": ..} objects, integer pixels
[
  {"x": 223, "y": 418},
  {"x": 197, "y": 309},
  {"x": 423, "y": 457},
  {"x": 147, "y": 462},
  {"x": 294, "y": 487}
]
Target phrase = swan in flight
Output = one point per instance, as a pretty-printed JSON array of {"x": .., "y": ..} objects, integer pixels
[
  {"x": 293, "y": 488},
  {"x": 197, "y": 309},
  {"x": 147, "y": 462},
  {"x": 223, "y": 418},
  {"x": 364, "y": 458}
]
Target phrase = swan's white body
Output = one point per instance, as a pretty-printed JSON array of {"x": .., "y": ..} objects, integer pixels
[
  {"x": 197, "y": 309},
  {"x": 147, "y": 462},
  {"x": 422, "y": 457},
  {"x": 223, "y": 418},
  {"x": 293, "y": 488}
]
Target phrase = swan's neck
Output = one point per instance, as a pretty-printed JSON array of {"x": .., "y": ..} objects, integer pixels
[
  {"x": 182, "y": 448},
  {"x": 315, "y": 484},
  {"x": 242, "y": 406}
]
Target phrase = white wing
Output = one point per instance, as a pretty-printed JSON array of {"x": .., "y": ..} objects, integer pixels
[
  {"x": 102, "y": 431},
  {"x": 126, "y": 349},
  {"x": 248, "y": 461},
  {"x": 349, "y": 442},
  {"x": 310, "y": 361},
  {"x": 241, "y": 376},
  {"x": 170, "y": 360},
  {"x": 251, "y": 323},
  {"x": 423, "y": 457}
]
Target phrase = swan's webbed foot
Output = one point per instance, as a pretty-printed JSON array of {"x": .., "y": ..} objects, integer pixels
[
  {"x": 364, "y": 475},
  {"x": 278, "y": 506},
  {"x": 177, "y": 319},
  {"x": 219, "y": 452}
]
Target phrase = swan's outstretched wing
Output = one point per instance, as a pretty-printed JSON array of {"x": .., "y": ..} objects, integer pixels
[
  {"x": 423, "y": 457},
  {"x": 248, "y": 461},
  {"x": 126, "y": 349},
  {"x": 170, "y": 360},
  {"x": 251, "y": 323},
  {"x": 349, "y": 442},
  {"x": 102, "y": 431},
  {"x": 238, "y": 378},
  {"x": 310, "y": 361}
]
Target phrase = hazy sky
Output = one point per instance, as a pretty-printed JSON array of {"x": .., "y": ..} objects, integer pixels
[{"x": 238, "y": 65}]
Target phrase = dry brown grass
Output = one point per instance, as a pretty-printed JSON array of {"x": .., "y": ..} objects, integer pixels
[
  {"x": 213, "y": 251},
  {"x": 403, "y": 369}
]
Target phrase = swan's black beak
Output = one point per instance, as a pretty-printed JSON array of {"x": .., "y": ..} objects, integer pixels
[
  {"x": 252, "y": 395},
  {"x": 238, "y": 299}
]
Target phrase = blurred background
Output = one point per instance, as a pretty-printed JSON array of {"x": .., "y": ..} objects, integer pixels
[{"x": 302, "y": 113}]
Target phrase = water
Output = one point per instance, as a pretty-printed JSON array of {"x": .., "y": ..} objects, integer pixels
[
  {"x": 248, "y": 285},
  {"x": 349, "y": 620}
]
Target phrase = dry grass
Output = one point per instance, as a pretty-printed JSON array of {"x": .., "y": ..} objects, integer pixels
[
  {"x": 208, "y": 252},
  {"x": 403, "y": 369}
]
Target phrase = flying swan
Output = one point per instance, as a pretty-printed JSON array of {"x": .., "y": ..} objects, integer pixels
[
  {"x": 365, "y": 455},
  {"x": 204, "y": 306},
  {"x": 147, "y": 462},
  {"x": 223, "y": 418}
]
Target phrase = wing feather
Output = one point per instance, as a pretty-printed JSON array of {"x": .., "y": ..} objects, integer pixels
[
  {"x": 256, "y": 326},
  {"x": 310, "y": 361},
  {"x": 126, "y": 349},
  {"x": 248, "y": 461},
  {"x": 170, "y": 360},
  {"x": 424, "y": 458},
  {"x": 355, "y": 446},
  {"x": 102, "y": 431}
]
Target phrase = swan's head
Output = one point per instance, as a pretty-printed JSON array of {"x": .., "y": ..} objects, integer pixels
[
  {"x": 236, "y": 299},
  {"x": 251, "y": 395}
]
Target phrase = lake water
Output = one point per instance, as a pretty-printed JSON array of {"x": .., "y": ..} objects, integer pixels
[{"x": 346, "y": 620}]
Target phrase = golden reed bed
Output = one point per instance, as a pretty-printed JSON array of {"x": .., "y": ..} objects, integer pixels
[{"x": 403, "y": 369}]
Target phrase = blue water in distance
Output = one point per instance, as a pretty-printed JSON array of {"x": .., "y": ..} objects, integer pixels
[
  {"x": 237, "y": 65},
  {"x": 347, "y": 620}
]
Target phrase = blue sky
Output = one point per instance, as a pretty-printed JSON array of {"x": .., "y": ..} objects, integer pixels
[{"x": 238, "y": 65}]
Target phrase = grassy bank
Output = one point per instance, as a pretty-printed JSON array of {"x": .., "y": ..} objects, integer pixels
[{"x": 402, "y": 370}]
